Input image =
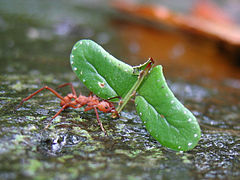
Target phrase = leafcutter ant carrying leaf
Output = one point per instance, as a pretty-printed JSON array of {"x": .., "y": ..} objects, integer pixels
[{"x": 72, "y": 100}]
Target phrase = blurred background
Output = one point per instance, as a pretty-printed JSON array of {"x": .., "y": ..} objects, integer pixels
[
  {"x": 198, "y": 44},
  {"x": 192, "y": 38}
]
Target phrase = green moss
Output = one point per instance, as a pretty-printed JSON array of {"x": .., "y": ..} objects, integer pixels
[{"x": 33, "y": 167}]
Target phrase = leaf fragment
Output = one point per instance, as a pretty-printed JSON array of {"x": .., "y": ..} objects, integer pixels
[
  {"x": 165, "y": 118},
  {"x": 102, "y": 73}
]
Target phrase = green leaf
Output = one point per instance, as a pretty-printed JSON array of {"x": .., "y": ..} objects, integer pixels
[
  {"x": 166, "y": 119},
  {"x": 102, "y": 73}
]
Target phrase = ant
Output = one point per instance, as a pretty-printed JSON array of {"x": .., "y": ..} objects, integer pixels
[{"x": 74, "y": 101}]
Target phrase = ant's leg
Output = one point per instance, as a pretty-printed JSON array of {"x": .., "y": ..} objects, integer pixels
[
  {"x": 90, "y": 94},
  {"x": 69, "y": 84},
  {"x": 64, "y": 107},
  {"x": 114, "y": 112},
  {"x": 113, "y": 109},
  {"x": 33, "y": 94},
  {"x": 116, "y": 97},
  {"x": 99, "y": 121},
  {"x": 119, "y": 97},
  {"x": 75, "y": 106}
]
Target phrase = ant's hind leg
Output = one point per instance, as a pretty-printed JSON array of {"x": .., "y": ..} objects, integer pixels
[{"x": 38, "y": 91}]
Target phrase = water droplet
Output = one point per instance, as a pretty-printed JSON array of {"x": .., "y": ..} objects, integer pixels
[
  {"x": 179, "y": 147},
  {"x": 185, "y": 112},
  {"x": 190, "y": 119},
  {"x": 74, "y": 47},
  {"x": 140, "y": 113},
  {"x": 81, "y": 73},
  {"x": 195, "y": 135},
  {"x": 72, "y": 56},
  {"x": 172, "y": 101},
  {"x": 71, "y": 62},
  {"x": 74, "y": 68},
  {"x": 84, "y": 80},
  {"x": 189, "y": 144},
  {"x": 88, "y": 43}
]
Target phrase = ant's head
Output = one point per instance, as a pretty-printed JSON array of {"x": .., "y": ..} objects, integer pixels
[{"x": 105, "y": 106}]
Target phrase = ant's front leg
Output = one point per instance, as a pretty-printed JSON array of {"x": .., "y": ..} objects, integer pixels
[
  {"x": 115, "y": 97},
  {"x": 114, "y": 112}
]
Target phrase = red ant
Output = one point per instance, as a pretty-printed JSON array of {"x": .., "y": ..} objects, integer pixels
[{"x": 74, "y": 101}]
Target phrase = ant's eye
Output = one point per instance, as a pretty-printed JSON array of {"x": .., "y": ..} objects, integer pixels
[{"x": 106, "y": 107}]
